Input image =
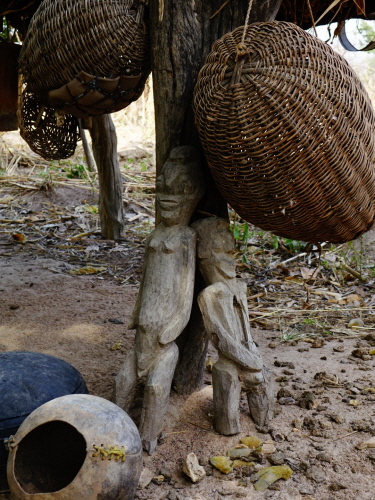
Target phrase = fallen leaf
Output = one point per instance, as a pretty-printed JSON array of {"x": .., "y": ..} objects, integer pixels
[
  {"x": 242, "y": 463},
  {"x": 116, "y": 346},
  {"x": 88, "y": 270},
  {"x": 235, "y": 453},
  {"x": 308, "y": 274},
  {"x": 251, "y": 442},
  {"x": 223, "y": 464},
  {"x": 269, "y": 475},
  {"x": 19, "y": 237},
  {"x": 370, "y": 443}
]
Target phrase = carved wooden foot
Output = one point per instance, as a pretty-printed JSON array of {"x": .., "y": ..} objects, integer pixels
[
  {"x": 156, "y": 397},
  {"x": 227, "y": 393},
  {"x": 126, "y": 382},
  {"x": 261, "y": 401}
]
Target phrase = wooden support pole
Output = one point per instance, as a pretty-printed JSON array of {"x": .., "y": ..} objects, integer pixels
[{"x": 111, "y": 211}]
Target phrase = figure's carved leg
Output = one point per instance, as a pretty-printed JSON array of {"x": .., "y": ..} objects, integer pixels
[
  {"x": 156, "y": 397},
  {"x": 126, "y": 382},
  {"x": 261, "y": 399},
  {"x": 227, "y": 393}
]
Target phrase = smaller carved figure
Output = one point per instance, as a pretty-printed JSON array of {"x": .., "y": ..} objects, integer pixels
[
  {"x": 224, "y": 309},
  {"x": 165, "y": 296}
]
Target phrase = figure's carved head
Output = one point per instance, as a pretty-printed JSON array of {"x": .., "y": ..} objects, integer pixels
[
  {"x": 180, "y": 186},
  {"x": 214, "y": 249}
]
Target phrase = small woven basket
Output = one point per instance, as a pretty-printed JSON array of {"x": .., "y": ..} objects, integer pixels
[
  {"x": 51, "y": 136},
  {"x": 288, "y": 132}
]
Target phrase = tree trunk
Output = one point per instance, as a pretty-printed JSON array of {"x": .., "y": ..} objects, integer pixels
[
  {"x": 182, "y": 33},
  {"x": 104, "y": 143}
]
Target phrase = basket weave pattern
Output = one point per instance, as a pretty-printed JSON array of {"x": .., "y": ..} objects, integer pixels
[
  {"x": 288, "y": 132},
  {"x": 47, "y": 136},
  {"x": 106, "y": 41},
  {"x": 103, "y": 38}
]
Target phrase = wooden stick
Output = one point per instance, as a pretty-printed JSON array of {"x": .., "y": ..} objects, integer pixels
[{"x": 345, "y": 435}]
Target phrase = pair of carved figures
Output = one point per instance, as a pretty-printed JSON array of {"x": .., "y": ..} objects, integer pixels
[{"x": 164, "y": 305}]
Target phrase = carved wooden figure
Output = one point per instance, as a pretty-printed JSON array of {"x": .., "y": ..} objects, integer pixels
[
  {"x": 165, "y": 297},
  {"x": 224, "y": 309}
]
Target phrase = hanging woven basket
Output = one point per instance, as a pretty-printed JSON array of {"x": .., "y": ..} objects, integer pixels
[
  {"x": 52, "y": 135},
  {"x": 84, "y": 58},
  {"x": 288, "y": 132}
]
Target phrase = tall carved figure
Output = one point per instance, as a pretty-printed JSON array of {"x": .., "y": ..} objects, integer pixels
[
  {"x": 224, "y": 309},
  {"x": 164, "y": 302}
]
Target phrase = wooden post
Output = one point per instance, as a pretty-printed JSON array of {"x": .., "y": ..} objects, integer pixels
[
  {"x": 182, "y": 34},
  {"x": 104, "y": 143}
]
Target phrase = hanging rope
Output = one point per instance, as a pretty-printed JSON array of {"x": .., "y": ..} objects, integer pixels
[{"x": 246, "y": 21}]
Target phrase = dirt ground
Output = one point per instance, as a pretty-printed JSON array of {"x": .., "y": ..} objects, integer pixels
[{"x": 325, "y": 394}]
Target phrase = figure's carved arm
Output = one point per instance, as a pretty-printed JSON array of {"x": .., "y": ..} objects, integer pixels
[{"x": 214, "y": 303}]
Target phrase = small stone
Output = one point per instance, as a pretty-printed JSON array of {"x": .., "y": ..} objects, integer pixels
[
  {"x": 14, "y": 307},
  {"x": 335, "y": 417},
  {"x": 277, "y": 458},
  {"x": 371, "y": 456},
  {"x": 361, "y": 426},
  {"x": 145, "y": 478},
  {"x": 307, "y": 400},
  {"x": 287, "y": 401},
  {"x": 192, "y": 468},
  {"x": 325, "y": 425},
  {"x": 297, "y": 423},
  {"x": 323, "y": 457},
  {"x": 284, "y": 393},
  {"x": 277, "y": 436},
  {"x": 284, "y": 364},
  {"x": 336, "y": 487},
  {"x": 315, "y": 474},
  {"x": 158, "y": 479},
  {"x": 318, "y": 343},
  {"x": 272, "y": 345},
  {"x": 339, "y": 348},
  {"x": 361, "y": 353},
  {"x": 268, "y": 447},
  {"x": 165, "y": 471},
  {"x": 306, "y": 489}
]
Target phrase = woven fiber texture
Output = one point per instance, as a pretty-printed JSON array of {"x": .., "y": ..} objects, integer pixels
[
  {"x": 288, "y": 132},
  {"x": 84, "y": 57},
  {"x": 52, "y": 137},
  {"x": 105, "y": 38}
]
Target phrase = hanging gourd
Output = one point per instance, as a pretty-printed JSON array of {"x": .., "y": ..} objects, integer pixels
[
  {"x": 288, "y": 132},
  {"x": 80, "y": 58}
]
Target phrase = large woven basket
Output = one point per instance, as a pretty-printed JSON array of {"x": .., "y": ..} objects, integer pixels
[
  {"x": 288, "y": 131},
  {"x": 82, "y": 57}
]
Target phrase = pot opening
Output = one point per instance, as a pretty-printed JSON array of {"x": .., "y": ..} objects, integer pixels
[{"x": 49, "y": 457}]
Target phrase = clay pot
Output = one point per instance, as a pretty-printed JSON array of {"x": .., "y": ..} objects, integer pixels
[
  {"x": 75, "y": 447},
  {"x": 28, "y": 380}
]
